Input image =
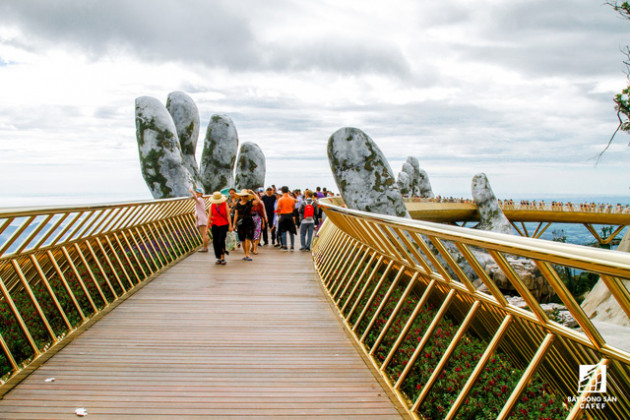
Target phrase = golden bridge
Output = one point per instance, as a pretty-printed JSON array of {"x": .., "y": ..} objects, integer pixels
[{"x": 107, "y": 310}]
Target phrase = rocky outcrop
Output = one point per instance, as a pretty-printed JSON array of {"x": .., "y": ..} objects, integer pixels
[
  {"x": 419, "y": 185},
  {"x": 424, "y": 186},
  {"x": 186, "y": 118},
  {"x": 159, "y": 149},
  {"x": 250, "y": 167},
  {"x": 600, "y": 305},
  {"x": 490, "y": 214},
  {"x": 528, "y": 273},
  {"x": 219, "y": 154},
  {"x": 403, "y": 183},
  {"x": 556, "y": 312},
  {"x": 363, "y": 175}
]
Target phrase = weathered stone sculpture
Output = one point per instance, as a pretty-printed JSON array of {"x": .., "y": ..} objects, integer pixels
[
  {"x": 490, "y": 214},
  {"x": 419, "y": 184},
  {"x": 160, "y": 153},
  {"x": 186, "y": 118},
  {"x": 403, "y": 183},
  {"x": 250, "y": 167},
  {"x": 219, "y": 154},
  {"x": 424, "y": 186},
  {"x": 363, "y": 175}
]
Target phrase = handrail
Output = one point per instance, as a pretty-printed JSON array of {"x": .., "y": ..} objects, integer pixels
[
  {"x": 382, "y": 272},
  {"x": 62, "y": 268}
]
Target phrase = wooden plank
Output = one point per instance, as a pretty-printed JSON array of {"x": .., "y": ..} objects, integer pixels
[{"x": 251, "y": 339}]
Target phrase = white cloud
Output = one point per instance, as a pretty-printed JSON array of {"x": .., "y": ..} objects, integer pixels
[{"x": 520, "y": 90}]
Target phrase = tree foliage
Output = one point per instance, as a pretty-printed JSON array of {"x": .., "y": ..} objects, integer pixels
[{"x": 622, "y": 99}]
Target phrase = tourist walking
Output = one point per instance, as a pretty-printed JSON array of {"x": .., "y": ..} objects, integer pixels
[
  {"x": 202, "y": 217},
  {"x": 269, "y": 201},
  {"x": 244, "y": 221},
  {"x": 308, "y": 213},
  {"x": 286, "y": 206},
  {"x": 220, "y": 224},
  {"x": 260, "y": 219}
]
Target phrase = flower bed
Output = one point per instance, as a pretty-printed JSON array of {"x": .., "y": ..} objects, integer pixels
[{"x": 491, "y": 390}]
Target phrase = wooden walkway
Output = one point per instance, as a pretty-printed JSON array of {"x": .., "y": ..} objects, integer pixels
[{"x": 247, "y": 340}]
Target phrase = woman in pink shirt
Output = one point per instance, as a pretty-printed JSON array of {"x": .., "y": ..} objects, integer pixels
[{"x": 202, "y": 217}]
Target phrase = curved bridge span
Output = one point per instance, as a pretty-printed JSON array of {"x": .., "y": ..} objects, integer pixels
[{"x": 113, "y": 302}]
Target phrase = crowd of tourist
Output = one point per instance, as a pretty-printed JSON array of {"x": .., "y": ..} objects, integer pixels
[
  {"x": 259, "y": 218},
  {"x": 509, "y": 204}
]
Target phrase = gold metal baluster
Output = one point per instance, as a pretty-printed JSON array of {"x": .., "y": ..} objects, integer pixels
[
  {"x": 8, "y": 354},
  {"x": 427, "y": 252},
  {"x": 63, "y": 232},
  {"x": 401, "y": 302},
  {"x": 180, "y": 246},
  {"x": 78, "y": 276},
  {"x": 332, "y": 261},
  {"x": 378, "y": 311},
  {"x": 140, "y": 251},
  {"x": 91, "y": 274},
  {"x": 368, "y": 303},
  {"x": 50, "y": 231},
  {"x": 63, "y": 280},
  {"x": 50, "y": 291},
  {"x": 358, "y": 280},
  {"x": 346, "y": 263},
  {"x": 483, "y": 276},
  {"x": 31, "y": 295},
  {"x": 481, "y": 364},
  {"x": 16, "y": 235},
  {"x": 526, "y": 378},
  {"x": 451, "y": 262},
  {"x": 149, "y": 247},
  {"x": 33, "y": 234},
  {"x": 170, "y": 249},
  {"x": 120, "y": 263},
  {"x": 567, "y": 298},
  {"x": 425, "y": 338},
  {"x": 366, "y": 285},
  {"x": 185, "y": 240},
  {"x": 518, "y": 285},
  {"x": 447, "y": 355},
  {"x": 18, "y": 317},
  {"x": 155, "y": 246},
  {"x": 109, "y": 263},
  {"x": 126, "y": 255},
  {"x": 352, "y": 277},
  {"x": 423, "y": 263}
]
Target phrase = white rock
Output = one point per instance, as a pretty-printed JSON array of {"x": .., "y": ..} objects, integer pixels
[
  {"x": 186, "y": 118},
  {"x": 491, "y": 215},
  {"x": 159, "y": 149},
  {"x": 363, "y": 175},
  {"x": 250, "y": 167},
  {"x": 403, "y": 183},
  {"x": 219, "y": 154}
]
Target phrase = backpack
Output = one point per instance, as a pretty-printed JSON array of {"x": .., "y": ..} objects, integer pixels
[{"x": 309, "y": 210}]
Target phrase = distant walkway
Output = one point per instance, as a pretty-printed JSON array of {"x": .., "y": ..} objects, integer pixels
[{"x": 247, "y": 340}]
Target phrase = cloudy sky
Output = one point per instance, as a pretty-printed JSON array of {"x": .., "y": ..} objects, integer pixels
[{"x": 520, "y": 90}]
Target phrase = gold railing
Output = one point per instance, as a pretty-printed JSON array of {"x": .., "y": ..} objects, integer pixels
[
  {"x": 407, "y": 291},
  {"x": 61, "y": 269}
]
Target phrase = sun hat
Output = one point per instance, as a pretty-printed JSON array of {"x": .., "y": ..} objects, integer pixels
[
  {"x": 243, "y": 193},
  {"x": 218, "y": 198}
]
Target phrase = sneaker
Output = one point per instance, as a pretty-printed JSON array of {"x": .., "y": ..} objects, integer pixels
[
  {"x": 277, "y": 245},
  {"x": 291, "y": 247},
  {"x": 283, "y": 247}
]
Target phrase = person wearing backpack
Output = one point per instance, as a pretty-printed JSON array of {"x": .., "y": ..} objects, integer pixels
[{"x": 308, "y": 215}]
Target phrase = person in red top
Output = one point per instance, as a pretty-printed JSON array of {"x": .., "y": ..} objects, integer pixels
[
  {"x": 220, "y": 224},
  {"x": 285, "y": 208}
]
